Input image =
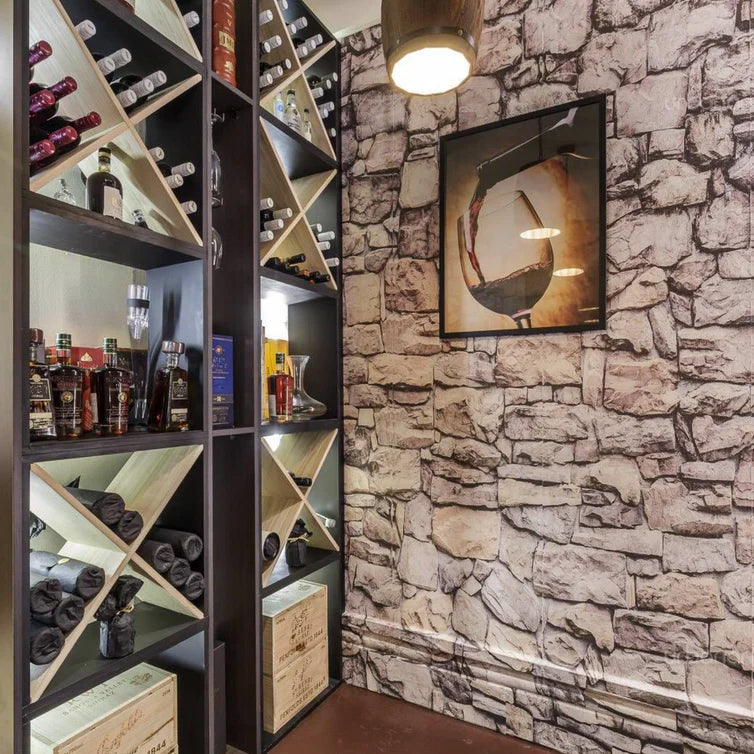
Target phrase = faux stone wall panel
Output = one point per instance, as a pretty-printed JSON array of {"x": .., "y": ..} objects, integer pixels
[{"x": 553, "y": 536}]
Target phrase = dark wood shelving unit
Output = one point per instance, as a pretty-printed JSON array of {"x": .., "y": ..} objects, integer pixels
[{"x": 220, "y": 496}]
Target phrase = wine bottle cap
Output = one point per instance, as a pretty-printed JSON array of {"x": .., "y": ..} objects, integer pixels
[
  {"x": 41, "y": 149},
  {"x": 63, "y": 136},
  {"x": 265, "y": 17},
  {"x": 106, "y": 65},
  {"x": 192, "y": 19},
  {"x": 90, "y": 120},
  {"x": 184, "y": 169},
  {"x": 121, "y": 57},
  {"x": 39, "y": 52},
  {"x": 173, "y": 346},
  {"x": 142, "y": 88},
  {"x": 41, "y": 100},
  {"x": 86, "y": 29},
  {"x": 189, "y": 207},
  {"x": 127, "y": 98},
  {"x": 174, "y": 180},
  {"x": 158, "y": 78},
  {"x": 65, "y": 86},
  {"x": 110, "y": 344},
  {"x": 105, "y": 151},
  {"x": 266, "y": 80},
  {"x": 157, "y": 154},
  {"x": 36, "y": 335}
]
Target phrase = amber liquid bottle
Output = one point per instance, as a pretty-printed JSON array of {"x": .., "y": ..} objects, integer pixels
[
  {"x": 67, "y": 391},
  {"x": 111, "y": 393},
  {"x": 41, "y": 411},
  {"x": 104, "y": 192},
  {"x": 280, "y": 386},
  {"x": 168, "y": 409}
]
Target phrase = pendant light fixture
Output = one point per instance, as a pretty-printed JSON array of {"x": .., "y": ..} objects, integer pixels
[{"x": 431, "y": 45}]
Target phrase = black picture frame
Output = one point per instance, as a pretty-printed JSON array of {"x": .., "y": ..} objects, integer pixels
[{"x": 450, "y": 140}]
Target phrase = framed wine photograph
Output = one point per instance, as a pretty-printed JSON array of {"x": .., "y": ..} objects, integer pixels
[{"x": 522, "y": 224}]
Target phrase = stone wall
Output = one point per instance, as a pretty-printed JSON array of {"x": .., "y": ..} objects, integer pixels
[{"x": 553, "y": 536}]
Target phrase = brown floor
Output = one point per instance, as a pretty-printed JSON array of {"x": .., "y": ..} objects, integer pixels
[{"x": 354, "y": 721}]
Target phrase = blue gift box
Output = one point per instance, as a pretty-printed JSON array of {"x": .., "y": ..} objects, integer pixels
[{"x": 222, "y": 382}]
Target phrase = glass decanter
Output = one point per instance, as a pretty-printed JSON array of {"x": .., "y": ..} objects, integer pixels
[{"x": 304, "y": 406}]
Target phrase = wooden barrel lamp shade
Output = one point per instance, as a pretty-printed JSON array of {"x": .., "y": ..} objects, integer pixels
[{"x": 431, "y": 45}]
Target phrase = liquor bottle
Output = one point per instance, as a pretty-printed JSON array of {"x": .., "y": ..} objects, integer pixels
[
  {"x": 39, "y": 153},
  {"x": 104, "y": 192},
  {"x": 38, "y": 52},
  {"x": 67, "y": 383},
  {"x": 86, "y": 29},
  {"x": 280, "y": 386},
  {"x": 266, "y": 215},
  {"x": 60, "y": 89},
  {"x": 296, "y": 26},
  {"x": 292, "y": 117},
  {"x": 111, "y": 393},
  {"x": 191, "y": 19},
  {"x": 64, "y": 139},
  {"x": 265, "y": 17},
  {"x": 139, "y": 220},
  {"x": 307, "y": 126},
  {"x": 168, "y": 409},
  {"x": 108, "y": 64},
  {"x": 278, "y": 107},
  {"x": 41, "y": 410},
  {"x": 63, "y": 193}
]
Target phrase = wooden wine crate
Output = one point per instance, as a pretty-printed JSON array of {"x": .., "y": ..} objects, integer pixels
[
  {"x": 288, "y": 692},
  {"x": 135, "y": 712},
  {"x": 293, "y": 621}
]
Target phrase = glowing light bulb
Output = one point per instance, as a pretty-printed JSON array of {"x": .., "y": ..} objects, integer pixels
[{"x": 431, "y": 70}]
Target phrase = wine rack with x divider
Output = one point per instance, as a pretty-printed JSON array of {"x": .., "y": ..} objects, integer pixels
[
  {"x": 146, "y": 481},
  {"x": 144, "y": 186},
  {"x": 300, "y": 193}
]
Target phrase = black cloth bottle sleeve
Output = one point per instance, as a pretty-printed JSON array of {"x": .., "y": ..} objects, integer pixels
[
  {"x": 117, "y": 637},
  {"x": 184, "y": 543},
  {"x": 194, "y": 586},
  {"x": 160, "y": 555},
  {"x": 179, "y": 572},
  {"x": 66, "y": 615},
  {"x": 124, "y": 591},
  {"x": 106, "y": 611},
  {"x": 45, "y": 643},
  {"x": 108, "y": 507},
  {"x": 129, "y": 526},
  {"x": 44, "y": 593},
  {"x": 270, "y": 545},
  {"x": 78, "y": 578}
]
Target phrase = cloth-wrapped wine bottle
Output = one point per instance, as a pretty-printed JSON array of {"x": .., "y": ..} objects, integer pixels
[
  {"x": 66, "y": 615},
  {"x": 124, "y": 590},
  {"x": 45, "y": 643},
  {"x": 74, "y": 576},
  {"x": 194, "y": 586},
  {"x": 107, "y": 610},
  {"x": 108, "y": 507},
  {"x": 160, "y": 555},
  {"x": 44, "y": 593},
  {"x": 117, "y": 637},
  {"x": 179, "y": 572},
  {"x": 129, "y": 526},
  {"x": 185, "y": 544}
]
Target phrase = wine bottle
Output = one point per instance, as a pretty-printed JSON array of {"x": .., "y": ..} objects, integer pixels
[
  {"x": 86, "y": 29},
  {"x": 276, "y": 70},
  {"x": 283, "y": 4},
  {"x": 60, "y": 123},
  {"x": 266, "y": 203},
  {"x": 273, "y": 225},
  {"x": 186, "y": 544},
  {"x": 194, "y": 586},
  {"x": 328, "y": 235},
  {"x": 267, "y": 215},
  {"x": 66, "y": 615},
  {"x": 157, "y": 154},
  {"x": 316, "y": 228},
  {"x": 127, "y": 99},
  {"x": 298, "y": 24},
  {"x": 129, "y": 526},
  {"x": 318, "y": 92},
  {"x": 173, "y": 180},
  {"x": 270, "y": 546},
  {"x": 185, "y": 169},
  {"x": 74, "y": 576},
  {"x": 38, "y": 52},
  {"x": 189, "y": 207},
  {"x": 108, "y": 64},
  {"x": 265, "y": 80},
  {"x": 323, "y": 83},
  {"x": 332, "y": 262},
  {"x": 192, "y": 19},
  {"x": 142, "y": 88},
  {"x": 160, "y": 555},
  {"x": 44, "y": 594},
  {"x": 179, "y": 572},
  {"x": 64, "y": 140},
  {"x": 39, "y": 153},
  {"x": 60, "y": 89},
  {"x": 104, "y": 192},
  {"x": 314, "y": 42},
  {"x": 302, "y": 48},
  {"x": 265, "y": 17},
  {"x": 108, "y": 507},
  {"x": 117, "y": 637},
  {"x": 264, "y": 237},
  {"x": 323, "y": 245},
  {"x": 45, "y": 643},
  {"x": 330, "y": 78}
]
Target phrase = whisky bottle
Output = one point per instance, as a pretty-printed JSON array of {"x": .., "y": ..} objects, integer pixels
[
  {"x": 168, "y": 409},
  {"x": 104, "y": 192},
  {"x": 280, "y": 386},
  {"x": 67, "y": 391},
  {"x": 41, "y": 410},
  {"x": 111, "y": 393}
]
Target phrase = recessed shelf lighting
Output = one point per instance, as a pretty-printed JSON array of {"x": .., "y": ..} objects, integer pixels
[
  {"x": 568, "y": 272},
  {"x": 538, "y": 234}
]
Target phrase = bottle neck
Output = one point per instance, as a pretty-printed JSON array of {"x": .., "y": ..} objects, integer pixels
[
  {"x": 104, "y": 164},
  {"x": 33, "y": 353},
  {"x": 172, "y": 360},
  {"x": 111, "y": 358},
  {"x": 64, "y": 355}
]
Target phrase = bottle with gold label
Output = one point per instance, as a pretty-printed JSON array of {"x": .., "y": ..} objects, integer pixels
[
  {"x": 168, "y": 409},
  {"x": 41, "y": 411},
  {"x": 111, "y": 393},
  {"x": 280, "y": 387},
  {"x": 67, "y": 391}
]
